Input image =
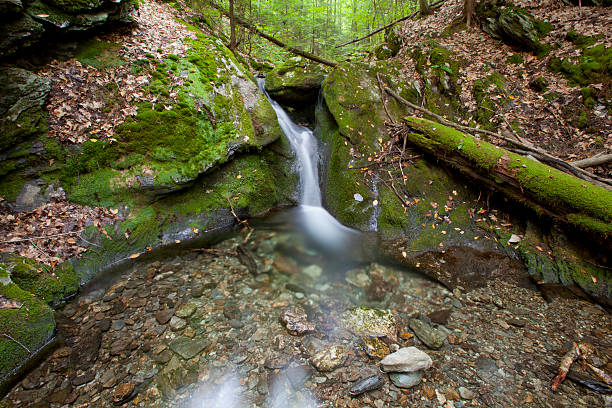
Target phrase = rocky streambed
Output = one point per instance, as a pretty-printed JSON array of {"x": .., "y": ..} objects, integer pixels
[{"x": 265, "y": 320}]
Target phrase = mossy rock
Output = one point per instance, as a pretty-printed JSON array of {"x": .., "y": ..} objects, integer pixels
[
  {"x": 22, "y": 96},
  {"x": 163, "y": 149},
  {"x": 593, "y": 66},
  {"x": 32, "y": 325},
  {"x": 514, "y": 26},
  {"x": 19, "y": 31},
  {"x": 539, "y": 84},
  {"x": 296, "y": 82},
  {"x": 487, "y": 92},
  {"x": 439, "y": 70}
]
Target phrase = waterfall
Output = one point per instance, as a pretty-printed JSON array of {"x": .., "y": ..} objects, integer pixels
[{"x": 320, "y": 225}]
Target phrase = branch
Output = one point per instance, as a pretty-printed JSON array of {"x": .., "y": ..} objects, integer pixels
[
  {"x": 593, "y": 161},
  {"x": 399, "y": 20},
  {"x": 10, "y": 241},
  {"x": 16, "y": 341},
  {"x": 275, "y": 41}
]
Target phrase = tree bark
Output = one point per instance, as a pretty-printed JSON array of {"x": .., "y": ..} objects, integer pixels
[
  {"x": 548, "y": 191},
  {"x": 468, "y": 12},
  {"x": 424, "y": 8},
  {"x": 232, "y": 44}
]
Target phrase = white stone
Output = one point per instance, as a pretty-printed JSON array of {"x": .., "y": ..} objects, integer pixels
[
  {"x": 358, "y": 197},
  {"x": 406, "y": 360}
]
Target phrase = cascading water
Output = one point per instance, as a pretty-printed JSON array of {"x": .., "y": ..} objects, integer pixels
[{"x": 320, "y": 226}]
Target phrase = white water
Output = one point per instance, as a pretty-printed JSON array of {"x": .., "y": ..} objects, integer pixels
[{"x": 318, "y": 224}]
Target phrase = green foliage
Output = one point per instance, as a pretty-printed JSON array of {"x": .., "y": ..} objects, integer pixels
[{"x": 515, "y": 59}]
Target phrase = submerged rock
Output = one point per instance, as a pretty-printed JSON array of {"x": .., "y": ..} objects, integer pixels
[
  {"x": 329, "y": 358},
  {"x": 433, "y": 338},
  {"x": 406, "y": 360},
  {"x": 406, "y": 380},
  {"x": 367, "y": 384},
  {"x": 296, "y": 321},
  {"x": 365, "y": 322}
]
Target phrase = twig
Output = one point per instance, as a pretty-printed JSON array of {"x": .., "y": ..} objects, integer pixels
[
  {"x": 392, "y": 187},
  {"x": 41, "y": 237},
  {"x": 16, "y": 341},
  {"x": 242, "y": 222},
  {"x": 383, "y": 96},
  {"x": 593, "y": 161}
]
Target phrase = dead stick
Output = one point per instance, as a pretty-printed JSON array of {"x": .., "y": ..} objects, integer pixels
[
  {"x": 383, "y": 96},
  {"x": 37, "y": 238},
  {"x": 16, "y": 341}
]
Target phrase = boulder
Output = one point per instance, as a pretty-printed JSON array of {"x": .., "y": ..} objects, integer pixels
[
  {"x": 24, "y": 25},
  {"x": 296, "y": 82},
  {"x": 22, "y": 96},
  {"x": 514, "y": 26}
]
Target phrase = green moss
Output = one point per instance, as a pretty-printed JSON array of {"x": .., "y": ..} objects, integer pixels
[
  {"x": 546, "y": 185},
  {"x": 539, "y": 84},
  {"x": 582, "y": 120},
  {"x": 593, "y": 66},
  {"x": 515, "y": 59},
  {"x": 579, "y": 40},
  {"x": 11, "y": 186},
  {"x": 99, "y": 54},
  {"x": 32, "y": 325},
  {"x": 493, "y": 85},
  {"x": 51, "y": 286}
]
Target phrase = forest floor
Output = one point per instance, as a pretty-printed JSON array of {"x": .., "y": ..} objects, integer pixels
[{"x": 544, "y": 121}]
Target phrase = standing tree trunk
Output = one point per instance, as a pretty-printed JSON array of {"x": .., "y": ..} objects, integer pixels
[
  {"x": 468, "y": 12},
  {"x": 232, "y": 44},
  {"x": 424, "y": 8}
]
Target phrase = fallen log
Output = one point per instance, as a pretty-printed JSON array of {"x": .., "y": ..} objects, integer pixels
[
  {"x": 273, "y": 40},
  {"x": 548, "y": 191}
]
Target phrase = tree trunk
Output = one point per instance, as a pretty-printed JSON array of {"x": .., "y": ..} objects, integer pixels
[
  {"x": 468, "y": 12},
  {"x": 424, "y": 8},
  {"x": 232, "y": 44},
  {"x": 548, "y": 191}
]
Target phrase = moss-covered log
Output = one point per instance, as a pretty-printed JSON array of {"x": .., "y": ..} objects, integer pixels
[{"x": 550, "y": 192}]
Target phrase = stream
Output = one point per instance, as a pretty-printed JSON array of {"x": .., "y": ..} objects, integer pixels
[{"x": 274, "y": 318}]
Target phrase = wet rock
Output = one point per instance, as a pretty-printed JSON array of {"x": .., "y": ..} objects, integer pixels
[
  {"x": 367, "y": 384},
  {"x": 433, "y": 338},
  {"x": 365, "y": 322},
  {"x": 30, "y": 197},
  {"x": 329, "y": 358},
  {"x": 176, "y": 323},
  {"x": 297, "y": 376},
  {"x": 440, "y": 316},
  {"x": 186, "y": 310},
  {"x": 466, "y": 393},
  {"x": 118, "y": 324},
  {"x": 285, "y": 265},
  {"x": 188, "y": 348},
  {"x": 231, "y": 311},
  {"x": 84, "y": 379},
  {"x": 313, "y": 271},
  {"x": 296, "y": 321},
  {"x": 163, "y": 316},
  {"x": 451, "y": 394},
  {"x": 406, "y": 360},
  {"x": 123, "y": 393},
  {"x": 104, "y": 324},
  {"x": 375, "y": 347},
  {"x": 406, "y": 380},
  {"x": 60, "y": 396}
]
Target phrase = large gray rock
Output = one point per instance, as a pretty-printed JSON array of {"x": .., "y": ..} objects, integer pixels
[
  {"x": 406, "y": 360},
  {"x": 22, "y": 96},
  {"x": 24, "y": 26},
  {"x": 296, "y": 82}
]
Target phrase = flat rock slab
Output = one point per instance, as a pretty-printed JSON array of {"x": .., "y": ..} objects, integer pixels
[
  {"x": 188, "y": 348},
  {"x": 364, "y": 322}
]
